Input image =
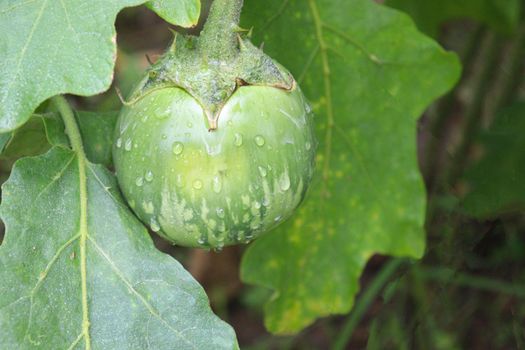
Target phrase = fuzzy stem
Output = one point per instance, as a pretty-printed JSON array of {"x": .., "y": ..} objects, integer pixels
[
  {"x": 75, "y": 139},
  {"x": 218, "y": 39},
  {"x": 70, "y": 124}
]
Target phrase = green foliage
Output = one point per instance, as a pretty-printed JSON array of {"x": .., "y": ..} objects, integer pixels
[
  {"x": 78, "y": 269},
  {"x": 97, "y": 130},
  {"x": 502, "y": 15},
  {"x": 45, "y": 130},
  {"x": 26, "y": 141},
  {"x": 495, "y": 183},
  {"x": 184, "y": 13},
  {"x": 35, "y": 137},
  {"x": 368, "y": 196},
  {"x": 55, "y": 47},
  {"x": 74, "y": 256}
]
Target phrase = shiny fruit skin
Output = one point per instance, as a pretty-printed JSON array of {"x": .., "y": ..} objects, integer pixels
[{"x": 201, "y": 188}]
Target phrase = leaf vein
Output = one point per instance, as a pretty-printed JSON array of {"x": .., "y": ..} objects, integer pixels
[
  {"x": 353, "y": 42},
  {"x": 41, "y": 279},
  {"x": 76, "y": 35},
  {"x": 55, "y": 257},
  {"x": 308, "y": 63},
  {"x": 14, "y": 302},
  {"x": 106, "y": 189},
  {"x": 16, "y": 6},
  {"x": 360, "y": 161},
  {"x": 327, "y": 92},
  {"x": 143, "y": 300},
  {"x": 23, "y": 52},
  {"x": 272, "y": 19},
  {"x": 56, "y": 177},
  {"x": 76, "y": 341}
]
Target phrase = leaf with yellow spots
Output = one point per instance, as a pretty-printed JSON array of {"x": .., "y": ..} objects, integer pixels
[{"x": 369, "y": 74}]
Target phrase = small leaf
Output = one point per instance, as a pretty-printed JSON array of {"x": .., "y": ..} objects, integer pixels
[
  {"x": 502, "y": 15},
  {"x": 33, "y": 138},
  {"x": 77, "y": 269},
  {"x": 369, "y": 75},
  {"x": 496, "y": 183},
  {"x": 97, "y": 133},
  {"x": 184, "y": 13},
  {"x": 45, "y": 130}
]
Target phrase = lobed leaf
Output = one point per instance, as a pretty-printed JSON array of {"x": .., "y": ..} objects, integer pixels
[
  {"x": 56, "y": 47},
  {"x": 77, "y": 269},
  {"x": 369, "y": 74}
]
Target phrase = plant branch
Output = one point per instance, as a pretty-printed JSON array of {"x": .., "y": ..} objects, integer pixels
[{"x": 364, "y": 302}]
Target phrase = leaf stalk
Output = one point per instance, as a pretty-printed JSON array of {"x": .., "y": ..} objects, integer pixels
[
  {"x": 75, "y": 139},
  {"x": 70, "y": 123}
]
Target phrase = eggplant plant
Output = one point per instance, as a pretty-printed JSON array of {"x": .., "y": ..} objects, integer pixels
[{"x": 216, "y": 145}]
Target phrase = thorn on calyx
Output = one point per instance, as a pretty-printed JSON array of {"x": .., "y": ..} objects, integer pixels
[
  {"x": 173, "y": 46},
  {"x": 240, "y": 82},
  {"x": 122, "y": 100},
  {"x": 242, "y": 45},
  {"x": 149, "y": 60},
  {"x": 238, "y": 29}
]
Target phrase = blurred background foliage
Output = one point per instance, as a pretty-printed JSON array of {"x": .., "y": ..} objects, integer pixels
[{"x": 469, "y": 290}]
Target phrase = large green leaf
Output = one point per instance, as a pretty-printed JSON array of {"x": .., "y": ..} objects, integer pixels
[
  {"x": 502, "y": 15},
  {"x": 496, "y": 183},
  {"x": 78, "y": 271},
  {"x": 369, "y": 75},
  {"x": 51, "y": 47}
]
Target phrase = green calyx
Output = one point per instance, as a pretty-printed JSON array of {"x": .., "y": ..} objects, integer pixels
[{"x": 212, "y": 66}]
